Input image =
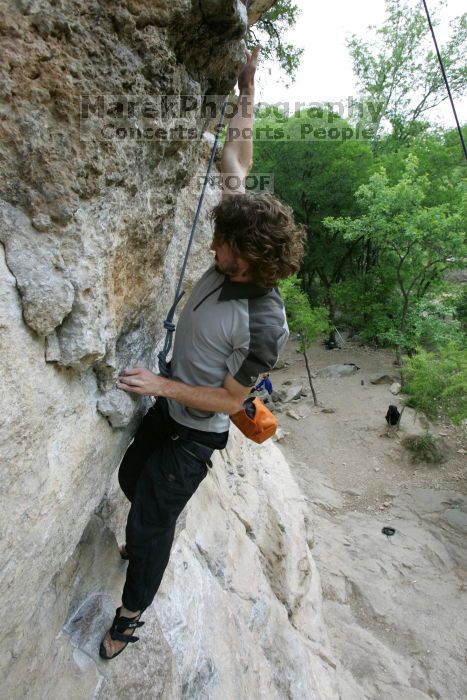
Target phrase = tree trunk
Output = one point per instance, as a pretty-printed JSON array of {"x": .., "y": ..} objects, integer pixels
[
  {"x": 332, "y": 314},
  {"x": 400, "y": 364},
  {"x": 400, "y": 359},
  {"x": 398, "y": 355},
  {"x": 315, "y": 398}
]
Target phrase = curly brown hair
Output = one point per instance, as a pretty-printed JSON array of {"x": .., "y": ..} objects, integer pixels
[{"x": 260, "y": 229}]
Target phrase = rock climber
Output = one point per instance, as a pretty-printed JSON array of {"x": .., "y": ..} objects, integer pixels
[{"x": 231, "y": 329}]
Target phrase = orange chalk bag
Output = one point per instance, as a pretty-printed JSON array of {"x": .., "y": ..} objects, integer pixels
[{"x": 255, "y": 420}]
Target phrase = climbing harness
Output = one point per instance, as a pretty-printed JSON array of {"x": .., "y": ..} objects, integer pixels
[
  {"x": 461, "y": 136},
  {"x": 169, "y": 325}
]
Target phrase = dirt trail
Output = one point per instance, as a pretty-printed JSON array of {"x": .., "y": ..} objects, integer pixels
[{"x": 395, "y": 607}]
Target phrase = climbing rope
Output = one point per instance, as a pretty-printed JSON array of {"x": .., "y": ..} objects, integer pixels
[
  {"x": 169, "y": 325},
  {"x": 445, "y": 78}
]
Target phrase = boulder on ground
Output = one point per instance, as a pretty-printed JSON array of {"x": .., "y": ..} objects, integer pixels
[
  {"x": 382, "y": 379},
  {"x": 287, "y": 393},
  {"x": 395, "y": 388},
  {"x": 336, "y": 371},
  {"x": 280, "y": 435},
  {"x": 281, "y": 364}
]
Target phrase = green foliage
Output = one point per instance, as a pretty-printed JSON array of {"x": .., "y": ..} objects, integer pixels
[
  {"x": 461, "y": 308},
  {"x": 367, "y": 304},
  {"x": 318, "y": 179},
  {"x": 440, "y": 159},
  {"x": 436, "y": 383},
  {"x": 385, "y": 218},
  {"x": 414, "y": 244},
  {"x": 398, "y": 71},
  {"x": 372, "y": 306},
  {"x": 307, "y": 322},
  {"x": 431, "y": 324},
  {"x": 269, "y": 32},
  {"x": 425, "y": 448}
]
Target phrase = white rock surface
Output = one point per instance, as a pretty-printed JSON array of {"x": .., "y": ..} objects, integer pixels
[
  {"x": 241, "y": 604},
  {"x": 381, "y": 594},
  {"x": 287, "y": 393},
  {"x": 279, "y": 434}
]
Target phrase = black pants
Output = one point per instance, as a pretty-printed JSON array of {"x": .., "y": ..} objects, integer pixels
[{"x": 159, "y": 473}]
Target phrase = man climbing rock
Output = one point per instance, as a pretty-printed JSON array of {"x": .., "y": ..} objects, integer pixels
[{"x": 231, "y": 329}]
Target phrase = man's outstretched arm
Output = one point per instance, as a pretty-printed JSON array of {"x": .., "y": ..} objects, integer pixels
[
  {"x": 226, "y": 399},
  {"x": 237, "y": 155}
]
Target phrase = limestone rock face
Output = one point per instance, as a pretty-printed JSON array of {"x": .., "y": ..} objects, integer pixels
[
  {"x": 238, "y": 614},
  {"x": 240, "y": 606},
  {"x": 93, "y": 229},
  {"x": 88, "y": 215}
]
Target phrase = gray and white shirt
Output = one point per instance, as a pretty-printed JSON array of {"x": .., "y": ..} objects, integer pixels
[{"x": 225, "y": 327}]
